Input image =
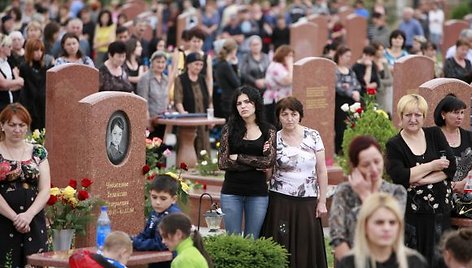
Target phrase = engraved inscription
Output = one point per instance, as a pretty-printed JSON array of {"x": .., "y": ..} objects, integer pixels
[{"x": 316, "y": 97}]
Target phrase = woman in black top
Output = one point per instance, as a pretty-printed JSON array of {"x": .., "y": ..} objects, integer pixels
[
  {"x": 248, "y": 148},
  {"x": 458, "y": 66},
  {"x": 33, "y": 71},
  {"x": 227, "y": 74}
]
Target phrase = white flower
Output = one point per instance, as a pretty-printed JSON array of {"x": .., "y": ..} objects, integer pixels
[
  {"x": 345, "y": 107},
  {"x": 204, "y": 163},
  {"x": 214, "y": 160},
  {"x": 356, "y": 115},
  {"x": 203, "y": 152},
  {"x": 353, "y": 108},
  {"x": 147, "y": 133}
]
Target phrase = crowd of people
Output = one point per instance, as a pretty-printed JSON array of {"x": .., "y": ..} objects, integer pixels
[{"x": 239, "y": 62}]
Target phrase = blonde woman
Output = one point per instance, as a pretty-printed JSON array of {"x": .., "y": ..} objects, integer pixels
[
  {"x": 379, "y": 237},
  {"x": 420, "y": 159}
]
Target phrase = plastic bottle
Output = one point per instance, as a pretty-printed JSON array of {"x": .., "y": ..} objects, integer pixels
[
  {"x": 468, "y": 186},
  {"x": 103, "y": 227}
]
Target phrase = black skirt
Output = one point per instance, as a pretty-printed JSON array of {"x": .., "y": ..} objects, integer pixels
[{"x": 291, "y": 221}]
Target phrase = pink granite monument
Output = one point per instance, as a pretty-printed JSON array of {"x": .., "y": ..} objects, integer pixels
[
  {"x": 303, "y": 40},
  {"x": 356, "y": 35},
  {"x": 409, "y": 73},
  {"x": 451, "y": 31},
  {"x": 314, "y": 82},
  {"x": 321, "y": 39}
]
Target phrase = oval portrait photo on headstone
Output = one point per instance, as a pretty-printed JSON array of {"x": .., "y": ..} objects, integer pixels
[{"x": 117, "y": 137}]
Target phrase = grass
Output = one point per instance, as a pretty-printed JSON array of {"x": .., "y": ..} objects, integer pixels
[{"x": 329, "y": 254}]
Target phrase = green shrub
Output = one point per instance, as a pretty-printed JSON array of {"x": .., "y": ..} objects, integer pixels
[
  {"x": 234, "y": 251},
  {"x": 461, "y": 10},
  {"x": 372, "y": 121}
]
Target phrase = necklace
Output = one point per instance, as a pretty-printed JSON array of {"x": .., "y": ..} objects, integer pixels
[
  {"x": 453, "y": 139},
  {"x": 13, "y": 157}
]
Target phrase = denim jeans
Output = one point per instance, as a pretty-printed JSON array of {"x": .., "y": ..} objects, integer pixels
[{"x": 254, "y": 208}]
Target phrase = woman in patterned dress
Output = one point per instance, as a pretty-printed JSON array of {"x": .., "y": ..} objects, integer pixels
[
  {"x": 24, "y": 189},
  {"x": 297, "y": 191},
  {"x": 421, "y": 160}
]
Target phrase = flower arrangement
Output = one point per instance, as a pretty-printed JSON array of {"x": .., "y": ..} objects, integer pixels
[
  {"x": 365, "y": 119},
  {"x": 207, "y": 165},
  {"x": 70, "y": 207},
  {"x": 37, "y": 136}
]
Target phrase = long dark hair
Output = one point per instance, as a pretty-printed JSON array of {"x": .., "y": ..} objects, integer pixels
[
  {"x": 236, "y": 125},
  {"x": 179, "y": 221}
]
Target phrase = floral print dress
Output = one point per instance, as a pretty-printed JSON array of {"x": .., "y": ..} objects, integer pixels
[{"x": 19, "y": 187}]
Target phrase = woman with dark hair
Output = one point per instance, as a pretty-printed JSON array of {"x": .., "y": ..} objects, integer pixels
[
  {"x": 133, "y": 66},
  {"x": 51, "y": 33},
  {"x": 420, "y": 160},
  {"x": 449, "y": 116},
  {"x": 297, "y": 189},
  {"x": 24, "y": 189},
  {"x": 226, "y": 74},
  {"x": 366, "y": 71},
  {"x": 278, "y": 80},
  {"x": 458, "y": 66},
  {"x": 347, "y": 91},
  {"x": 397, "y": 47},
  {"x": 191, "y": 96},
  {"x": 112, "y": 76},
  {"x": 33, "y": 71},
  {"x": 71, "y": 53},
  {"x": 385, "y": 91},
  {"x": 367, "y": 167},
  {"x": 457, "y": 249},
  {"x": 104, "y": 35},
  {"x": 248, "y": 148}
]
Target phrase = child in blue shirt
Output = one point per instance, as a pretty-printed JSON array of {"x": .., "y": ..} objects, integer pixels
[
  {"x": 163, "y": 195},
  {"x": 176, "y": 233}
]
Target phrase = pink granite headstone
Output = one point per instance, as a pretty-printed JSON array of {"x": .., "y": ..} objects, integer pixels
[
  {"x": 132, "y": 10},
  {"x": 434, "y": 90},
  {"x": 451, "y": 31},
  {"x": 303, "y": 40},
  {"x": 409, "y": 73},
  {"x": 356, "y": 35},
  {"x": 117, "y": 174},
  {"x": 65, "y": 86},
  {"x": 186, "y": 21},
  {"x": 314, "y": 82},
  {"x": 321, "y": 39}
]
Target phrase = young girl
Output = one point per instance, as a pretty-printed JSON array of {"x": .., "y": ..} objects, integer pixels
[{"x": 175, "y": 230}]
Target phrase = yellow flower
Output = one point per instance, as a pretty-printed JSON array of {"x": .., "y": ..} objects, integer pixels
[
  {"x": 184, "y": 186},
  {"x": 173, "y": 175},
  {"x": 36, "y": 134},
  {"x": 68, "y": 192},
  {"x": 382, "y": 112},
  {"x": 73, "y": 201},
  {"x": 54, "y": 191}
]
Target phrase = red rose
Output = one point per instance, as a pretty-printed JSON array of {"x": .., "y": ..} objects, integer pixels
[
  {"x": 146, "y": 169},
  {"x": 353, "y": 125},
  {"x": 160, "y": 165},
  {"x": 371, "y": 91},
  {"x": 151, "y": 177},
  {"x": 184, "y": 166},
  {"x": 52, "y": 200},
  {"x": 86, "y": 182},
  {"x": 82, "y": 195},
  {"x": 73, "y": 183},
  {"x": 204, "y": 186},
  {"x": 359, "y": 110}
]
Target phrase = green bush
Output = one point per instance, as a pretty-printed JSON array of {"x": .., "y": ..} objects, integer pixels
[
  {"x": 373, "y": 122},
  {"x": 234, "y": 251},
  {"x": 461, "y": 10}
]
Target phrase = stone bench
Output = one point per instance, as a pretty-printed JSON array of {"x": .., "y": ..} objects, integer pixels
[
  {"x": 61, "y": 258},
  {"x": 461, "y": 222}
]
